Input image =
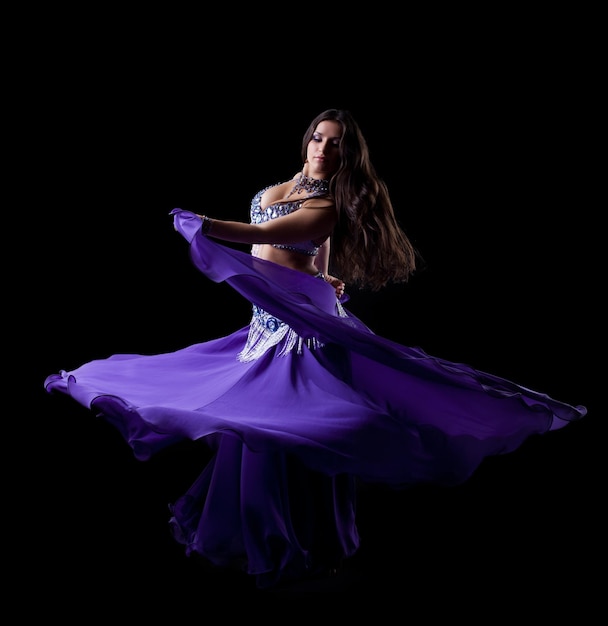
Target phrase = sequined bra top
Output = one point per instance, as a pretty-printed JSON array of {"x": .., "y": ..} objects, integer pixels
[{"x": 260, "y": 215}]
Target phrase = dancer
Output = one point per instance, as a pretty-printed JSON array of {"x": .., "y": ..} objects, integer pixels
[{"x": 306, "y": 402}]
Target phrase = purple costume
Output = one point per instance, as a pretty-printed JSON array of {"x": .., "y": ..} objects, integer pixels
[{"x": 297, "y": 407}]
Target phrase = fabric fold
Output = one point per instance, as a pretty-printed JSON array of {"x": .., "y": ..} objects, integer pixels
[{"x": 350, "y": 405}]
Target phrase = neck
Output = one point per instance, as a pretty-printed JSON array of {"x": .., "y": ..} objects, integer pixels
[{"x": 310, "y": 185}]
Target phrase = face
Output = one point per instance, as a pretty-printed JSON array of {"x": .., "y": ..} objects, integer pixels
[{"x": 323, "y": 152}]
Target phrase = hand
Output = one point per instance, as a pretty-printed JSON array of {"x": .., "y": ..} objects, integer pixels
[{"x": 337, "y": 284}]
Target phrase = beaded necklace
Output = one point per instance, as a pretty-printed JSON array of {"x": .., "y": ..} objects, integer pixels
[{"x": 310, "y": 185}]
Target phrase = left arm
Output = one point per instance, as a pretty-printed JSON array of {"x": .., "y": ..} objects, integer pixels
[
  {"x": 322, "y": 258},
  {"x": 322, "y": 264}
]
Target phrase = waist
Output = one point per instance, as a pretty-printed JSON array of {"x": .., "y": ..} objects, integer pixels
[{"x": 286, "y": 257}]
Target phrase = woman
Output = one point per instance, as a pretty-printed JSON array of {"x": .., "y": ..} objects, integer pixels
[{"x": 306, "y": 400}]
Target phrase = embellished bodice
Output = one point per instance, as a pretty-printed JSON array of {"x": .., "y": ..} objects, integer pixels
[
  {"x": 265, "y": 330},
  {"x": 260, "y": 215}
]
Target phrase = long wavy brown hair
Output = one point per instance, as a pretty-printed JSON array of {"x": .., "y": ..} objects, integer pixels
[{"x": 369, "y": 249}]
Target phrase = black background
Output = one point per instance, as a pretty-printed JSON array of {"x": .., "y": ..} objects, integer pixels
[{"x": 485, "y": 146}]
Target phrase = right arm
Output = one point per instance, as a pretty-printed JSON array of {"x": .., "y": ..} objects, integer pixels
[{"x": 313, "y": 221}]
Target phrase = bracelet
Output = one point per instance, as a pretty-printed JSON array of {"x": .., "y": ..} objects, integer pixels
[{"x": 206, "y": 226}]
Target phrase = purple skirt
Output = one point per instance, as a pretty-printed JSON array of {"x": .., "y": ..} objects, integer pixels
[{"x": 291, "y": 430}]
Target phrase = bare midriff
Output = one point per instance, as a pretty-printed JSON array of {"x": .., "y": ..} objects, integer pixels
[{"x": 288, "y": 258}]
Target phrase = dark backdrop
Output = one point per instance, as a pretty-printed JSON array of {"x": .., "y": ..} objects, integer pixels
[{"x": 489, "y": 177}]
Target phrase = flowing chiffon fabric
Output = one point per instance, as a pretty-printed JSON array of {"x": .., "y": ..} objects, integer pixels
[{"x": 291, "y": 432}]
